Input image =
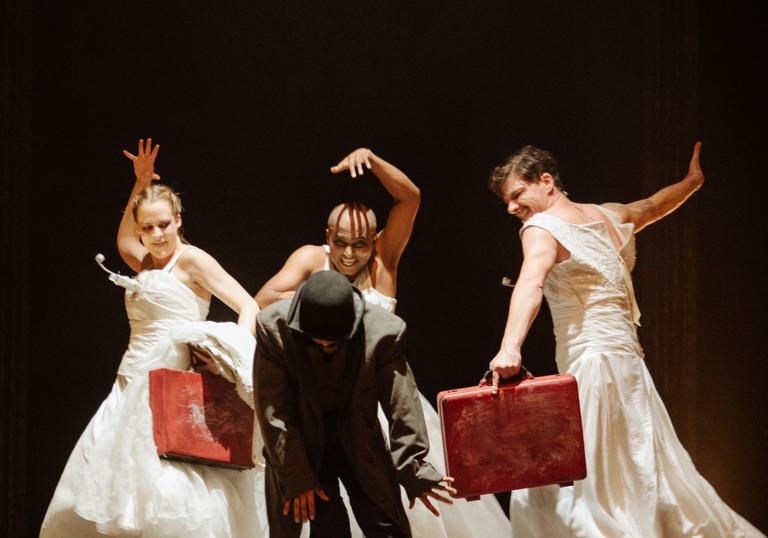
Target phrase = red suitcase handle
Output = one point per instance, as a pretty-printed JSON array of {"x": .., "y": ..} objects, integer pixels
[{"x": 522, "y": 375}]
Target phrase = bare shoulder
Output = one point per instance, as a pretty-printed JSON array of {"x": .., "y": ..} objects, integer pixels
[
  {"x": 308, "y": 257},
  {"x": 194, "y": 257},
  {"x": 619, "y": 209}
]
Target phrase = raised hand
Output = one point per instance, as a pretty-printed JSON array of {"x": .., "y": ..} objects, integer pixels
[
  {"x": 695, "y": 173},
  {"x": 443, "y": 485},
  {"x": 144, "y": 162},
  {"x": 304, "y": 505},
  {"x": 354, "y": 162}
]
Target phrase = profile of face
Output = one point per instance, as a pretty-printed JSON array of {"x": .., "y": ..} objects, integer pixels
[
  {"x": 524, "y": 198},
  {"x": 158, "y": 227},
  {"x": 350, "y": 237}
]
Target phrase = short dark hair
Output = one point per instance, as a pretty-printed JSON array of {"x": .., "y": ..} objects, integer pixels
[{"x": 527, "y": 163}]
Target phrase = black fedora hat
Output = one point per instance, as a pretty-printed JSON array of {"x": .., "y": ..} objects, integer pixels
[{"x": 326, "y": 306}]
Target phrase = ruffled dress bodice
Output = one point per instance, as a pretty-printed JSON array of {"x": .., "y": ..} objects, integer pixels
[
  {"x": 160, "y": 303},
  {"x": 114, "y": 483}
]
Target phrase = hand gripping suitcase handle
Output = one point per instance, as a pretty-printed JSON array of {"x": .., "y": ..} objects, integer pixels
[{"x": 519, "y": 376}]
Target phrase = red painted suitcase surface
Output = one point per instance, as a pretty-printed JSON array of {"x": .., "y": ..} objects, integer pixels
[
  {"x": 527, "y": 435},
  {"x": 199, "y": 418}
]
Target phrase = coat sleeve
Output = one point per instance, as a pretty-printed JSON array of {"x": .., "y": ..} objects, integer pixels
[
  {"x": 399, "y": 398},
  {"x": 276, "y": 411}
]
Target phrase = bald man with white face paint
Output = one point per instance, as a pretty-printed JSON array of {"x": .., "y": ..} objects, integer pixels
[{"x": 353, "y": 247}]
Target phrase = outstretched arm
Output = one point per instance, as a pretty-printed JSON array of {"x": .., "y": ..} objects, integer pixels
[
  {"x": 539, "y": 256},
  {"x": 207, "y": 273},
  {"x": 296, "y": 270},
  {"x": 128, "y": 245},
  {"x": 396, "y": 233},
  {"x": 662, "y": 203},
  {"x": 408, "y": 441}
]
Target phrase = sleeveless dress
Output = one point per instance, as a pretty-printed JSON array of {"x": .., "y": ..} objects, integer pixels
[
  {"x": 462, "y": 519},
  {"x": 641, "y": 482},
  {"x": 114, "y": 483}
]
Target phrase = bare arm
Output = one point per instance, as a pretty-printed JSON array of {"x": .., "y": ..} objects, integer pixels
[
  {"x": 130, "y": 248},
  {"x": 539, "y": 256},
  {"x": 207, "y": 273},
  {"x": 299, "y": 266},
  {"x": 396, "y": 233},
  {"x": 662, "y": 203}
]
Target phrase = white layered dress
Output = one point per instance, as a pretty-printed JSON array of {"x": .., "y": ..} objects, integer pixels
[
  {"x": 114, "y": 483},
  {"x": 641, "y": 482}
]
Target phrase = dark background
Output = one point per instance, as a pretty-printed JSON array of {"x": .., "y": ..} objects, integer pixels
[{"x": 252, "y": 102}]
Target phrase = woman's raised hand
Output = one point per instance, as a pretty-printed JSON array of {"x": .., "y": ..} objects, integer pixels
[{"x": 144, "y": 162}]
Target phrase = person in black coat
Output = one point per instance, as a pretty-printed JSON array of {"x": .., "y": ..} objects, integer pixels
[{"x": 323, "y": 363}]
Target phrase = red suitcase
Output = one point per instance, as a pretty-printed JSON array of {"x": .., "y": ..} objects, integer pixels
[
  {"x": 199, "y": 418},
  {"x": 528, "y": 435}
]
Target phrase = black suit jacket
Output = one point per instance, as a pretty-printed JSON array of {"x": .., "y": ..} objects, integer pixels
[{"x": 291, "y": 421}]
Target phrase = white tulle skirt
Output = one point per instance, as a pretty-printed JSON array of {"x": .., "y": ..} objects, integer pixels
[{"x": 115, "y": 484}]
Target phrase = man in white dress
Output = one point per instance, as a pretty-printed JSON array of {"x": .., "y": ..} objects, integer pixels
[{"x": 640, "y": 481}]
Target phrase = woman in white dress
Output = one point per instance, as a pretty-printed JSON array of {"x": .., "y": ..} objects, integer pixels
[
  {"x": 114, "y": 483},
  {"x": 370, "y": 259},
  {"x": 641, "y": 483}
]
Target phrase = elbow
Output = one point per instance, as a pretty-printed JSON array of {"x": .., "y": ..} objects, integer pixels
[
  {"x": 412, "y": 197},
  {"x": 261, "y": 299},
  {"x": 647, "y": 213},
  {"x": 251, "y": 308},
  {"x": 533, "y": 286}
]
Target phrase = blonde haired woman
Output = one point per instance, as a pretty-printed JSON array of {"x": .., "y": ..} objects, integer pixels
[{"x": 114, "y": 483}]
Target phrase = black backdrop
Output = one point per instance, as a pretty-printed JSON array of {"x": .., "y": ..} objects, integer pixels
[{"x": 252, "y": 102}]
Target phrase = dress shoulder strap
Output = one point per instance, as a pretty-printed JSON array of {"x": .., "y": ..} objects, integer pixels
[
  {"x": 559, "y": 229},
  {"x": 540, "y": 220},
  {"x": 327, "y": 263},
  {"x": 626, "y": 230},
  {"x": 171, "y": 264},
  {"x": 570, "y": 236}
]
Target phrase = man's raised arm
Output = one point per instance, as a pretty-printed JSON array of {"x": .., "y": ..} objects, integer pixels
[{"x": 647, "y": 211}]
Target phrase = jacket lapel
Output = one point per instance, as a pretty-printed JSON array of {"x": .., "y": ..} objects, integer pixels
[{"x": 355, "y": 357}]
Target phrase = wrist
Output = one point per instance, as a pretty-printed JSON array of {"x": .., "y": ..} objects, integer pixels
[
  {"x": 142, "y": 184},
  {"x": 510, "y": 349}
]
